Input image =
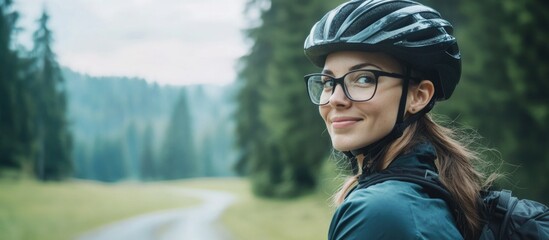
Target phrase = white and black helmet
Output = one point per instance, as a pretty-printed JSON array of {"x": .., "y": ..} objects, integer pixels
[{"x": 407, "y": 30}]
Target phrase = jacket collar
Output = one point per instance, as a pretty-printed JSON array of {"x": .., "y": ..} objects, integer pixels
[{"x": 420, "y": 156}]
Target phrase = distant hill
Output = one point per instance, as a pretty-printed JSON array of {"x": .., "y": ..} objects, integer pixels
[
  {"x": 109, "y": 115},
  {"x": 102, "y": 106}
]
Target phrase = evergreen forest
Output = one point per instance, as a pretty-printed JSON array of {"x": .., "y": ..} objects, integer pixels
[
  {"x": 57, "y": 124},
  {"x": 129, "y": 129}
]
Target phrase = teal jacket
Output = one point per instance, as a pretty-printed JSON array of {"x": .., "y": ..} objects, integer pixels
[{"x": 395, "y": 209}]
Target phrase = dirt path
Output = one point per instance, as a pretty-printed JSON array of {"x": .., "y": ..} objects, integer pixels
[{"x": 195, "y": 223}]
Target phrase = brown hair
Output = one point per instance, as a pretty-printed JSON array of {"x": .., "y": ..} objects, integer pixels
[{"x": 456, "y": 162}]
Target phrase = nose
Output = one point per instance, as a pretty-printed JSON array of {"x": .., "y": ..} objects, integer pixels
[{"x": 338, "y": 98}]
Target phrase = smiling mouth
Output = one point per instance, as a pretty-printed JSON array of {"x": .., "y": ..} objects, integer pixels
[{"x": 344, "y": 122}]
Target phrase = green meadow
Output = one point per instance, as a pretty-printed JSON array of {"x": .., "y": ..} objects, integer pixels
[
  {"x": 252, "y": 217},
  {"x": 33, "y": 210}
]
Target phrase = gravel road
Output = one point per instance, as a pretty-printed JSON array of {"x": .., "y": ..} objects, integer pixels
[{"x": 195, "y": 223}]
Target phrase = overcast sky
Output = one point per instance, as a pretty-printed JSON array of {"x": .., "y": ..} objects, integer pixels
[{"x": 173, "y": 42}]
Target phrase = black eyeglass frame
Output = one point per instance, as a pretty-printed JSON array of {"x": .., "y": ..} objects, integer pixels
[{"x": 340, "y": 81}]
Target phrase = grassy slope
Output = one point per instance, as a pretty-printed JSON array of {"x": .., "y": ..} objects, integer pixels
[
  {"x": 31, "y": 210},
  {"x": 303, "y": 218}
]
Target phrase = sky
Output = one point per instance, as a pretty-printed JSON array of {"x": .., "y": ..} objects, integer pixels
[{"x": 174, "y": 42}]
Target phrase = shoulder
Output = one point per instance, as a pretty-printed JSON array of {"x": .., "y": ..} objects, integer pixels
[
  {"x": 375, "y": 212},
  {"x": 390, "y": 210}
]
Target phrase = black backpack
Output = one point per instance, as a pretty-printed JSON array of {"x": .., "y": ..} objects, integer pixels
[{"x": 506, "y": 216}]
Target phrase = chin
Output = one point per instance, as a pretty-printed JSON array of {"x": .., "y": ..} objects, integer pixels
[
  {"x": 349, "y": 144},
  {"x": 344, "y": 147}
]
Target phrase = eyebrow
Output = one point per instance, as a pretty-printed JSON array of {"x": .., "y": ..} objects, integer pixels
[{"x": 355, "y": 67}]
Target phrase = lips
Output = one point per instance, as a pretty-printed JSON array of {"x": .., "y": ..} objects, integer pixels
[{"x": 343, "y": 122}]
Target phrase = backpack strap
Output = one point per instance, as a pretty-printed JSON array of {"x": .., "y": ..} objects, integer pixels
[
  {"x": 504, "y": 206},
  {"x": 426, "y": 178},
  {"x": 499, "y": 206}
]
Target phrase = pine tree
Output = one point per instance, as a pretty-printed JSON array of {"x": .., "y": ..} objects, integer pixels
[
  {"x": 53, "y": 141},
  {"x": 7, "y": 89},
  {"x": 15, "y": 125},
  {"x": 249, "y": 128},
  {"x": 178, "y": 156}
]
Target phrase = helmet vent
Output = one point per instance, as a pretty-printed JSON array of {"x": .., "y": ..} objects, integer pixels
[
  {"x": 401, "y": 23},
  {"x": 429, "y": 15},
  {"x": 373, "y": 15},
  {"x": 340, "y": 18},
  {"x": 453, "y": 50},
  {"x": 321, "y": 25},
  {"x": 449, "y": 30},
  {"x": 424, "y": 35}
]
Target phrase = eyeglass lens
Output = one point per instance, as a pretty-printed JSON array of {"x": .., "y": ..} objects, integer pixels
[{"x": 358, "y": 86}]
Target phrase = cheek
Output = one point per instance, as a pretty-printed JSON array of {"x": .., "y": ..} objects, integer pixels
[
  {"x": 382, "y": 110},
  {"x": 387, "y": 117}
]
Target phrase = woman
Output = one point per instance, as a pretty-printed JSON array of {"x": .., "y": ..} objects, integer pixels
[{"x": 385, "y": 63}]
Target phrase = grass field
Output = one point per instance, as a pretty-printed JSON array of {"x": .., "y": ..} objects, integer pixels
[
  {"x": 31, "y": 210},
  {"x": 254, "y": 218}
]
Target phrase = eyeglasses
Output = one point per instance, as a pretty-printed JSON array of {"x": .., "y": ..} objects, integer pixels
[{"x": 358, "y": 85}]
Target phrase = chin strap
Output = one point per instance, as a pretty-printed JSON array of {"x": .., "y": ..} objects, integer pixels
[{"x": 371, "y": 151}]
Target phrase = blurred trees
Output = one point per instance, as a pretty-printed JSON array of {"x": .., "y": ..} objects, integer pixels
[
  {"x": 134, "y": 115},
  {"x": 502, "y": 92},
  {"x": 115, "y": 111},
  {"x": 34, "y": 133},
  {"x": 108, "y": 164},
  {"x": 13, "y": 131},
  {"x": 178, "y": 156},
  {"x": 147, "y": 165},
  {"x": 277, "y": 126},
  {"x": 53, "y": 141},
  {"x": 121, "y": 124}
]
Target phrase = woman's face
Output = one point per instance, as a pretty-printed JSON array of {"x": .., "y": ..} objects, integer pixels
[{"x": 353, "y": 125}]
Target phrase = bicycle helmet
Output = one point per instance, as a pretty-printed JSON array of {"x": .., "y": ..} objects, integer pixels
[{"x": 407, "y": 30}]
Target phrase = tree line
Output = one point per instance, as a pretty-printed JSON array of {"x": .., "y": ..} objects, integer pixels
[
  {"x": 34, "y": 135},
  {"x": 128, "y": 129},
  {"x": 502, "y": 93}
]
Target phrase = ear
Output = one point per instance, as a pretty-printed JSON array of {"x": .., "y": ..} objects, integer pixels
[{"x": 419, "y": 96}]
